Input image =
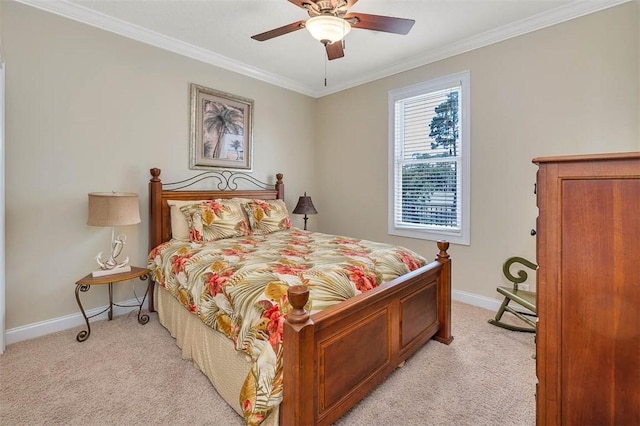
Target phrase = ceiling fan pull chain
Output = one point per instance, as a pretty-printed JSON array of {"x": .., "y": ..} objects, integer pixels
[{"x": 325, "y": 70}]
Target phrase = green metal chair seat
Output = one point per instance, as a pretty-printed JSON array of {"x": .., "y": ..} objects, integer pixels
[
  {"x": 521, "y": 297},
  {"x": 526, "y": 299}
]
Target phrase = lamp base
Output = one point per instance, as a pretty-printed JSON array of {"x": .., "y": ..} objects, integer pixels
[{"x": 116, "y": 270}]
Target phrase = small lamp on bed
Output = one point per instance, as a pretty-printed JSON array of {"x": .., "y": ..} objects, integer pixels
[
  {"x": 305, "y": 207},
  {"x": 113, "y": 209}
]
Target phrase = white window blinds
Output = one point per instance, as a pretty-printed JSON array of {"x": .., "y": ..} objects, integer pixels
[{"x": 428, "y": 162}]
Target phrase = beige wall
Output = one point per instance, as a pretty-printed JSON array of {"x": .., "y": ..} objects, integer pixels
[
  {"x": 568, "y": 89},
  {"x": 88, "y": 110}
]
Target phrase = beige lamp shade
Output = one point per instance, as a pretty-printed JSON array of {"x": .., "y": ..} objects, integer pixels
[{"x": 113, "y": 209}]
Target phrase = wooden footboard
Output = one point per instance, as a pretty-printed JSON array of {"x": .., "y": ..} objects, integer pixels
[{"x": 337, "y": 356}]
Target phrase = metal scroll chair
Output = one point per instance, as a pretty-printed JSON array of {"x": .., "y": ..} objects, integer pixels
[{"x": 523, "y": 298}]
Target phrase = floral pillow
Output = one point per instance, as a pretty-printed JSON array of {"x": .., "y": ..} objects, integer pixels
[
  {"x": 179, "y": 225},
  {"x": 267, "y": 216},
  {"x": 215, "y": 219}
]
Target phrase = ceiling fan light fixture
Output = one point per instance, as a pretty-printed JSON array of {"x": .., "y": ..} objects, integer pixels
[{"x": 327, "y": 28}]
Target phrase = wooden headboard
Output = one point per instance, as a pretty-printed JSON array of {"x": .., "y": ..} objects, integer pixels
[
  {"x": 225, "y": 183},
  {"x": 226, "y": 186}
]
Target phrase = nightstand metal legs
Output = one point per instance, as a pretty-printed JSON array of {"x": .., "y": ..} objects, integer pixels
[
  {"x": 142, "y": 318},
  {"x": 84, "y": 334}
]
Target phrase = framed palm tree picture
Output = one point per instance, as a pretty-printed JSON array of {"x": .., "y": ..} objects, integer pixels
[{"x": 221, "y": 130}]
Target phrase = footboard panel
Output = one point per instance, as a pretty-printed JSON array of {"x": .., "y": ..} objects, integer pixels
[
  {"x": 364, "y": 361},
  {"x": 419, "y": 317},
  {"x": 360, "y": 350},
  {"x": 353, "y": 346}
]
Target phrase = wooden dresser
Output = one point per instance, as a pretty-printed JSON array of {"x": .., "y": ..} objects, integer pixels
[{"x": 588, "y": 290}]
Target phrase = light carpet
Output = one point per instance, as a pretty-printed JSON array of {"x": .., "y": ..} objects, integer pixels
[{"x": 132, "y": 374}]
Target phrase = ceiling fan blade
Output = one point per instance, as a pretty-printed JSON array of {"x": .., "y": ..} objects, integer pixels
[
  {"x": 334, "y": 50},
  {"x": 295, "y": 26},
  {"x": 385, "y": 24}
]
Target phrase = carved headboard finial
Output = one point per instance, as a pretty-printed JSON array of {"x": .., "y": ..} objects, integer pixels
[{"x": 155, "y": 173}]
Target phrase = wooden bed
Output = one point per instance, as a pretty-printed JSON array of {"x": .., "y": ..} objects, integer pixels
[{"x": 338, "y": 355}]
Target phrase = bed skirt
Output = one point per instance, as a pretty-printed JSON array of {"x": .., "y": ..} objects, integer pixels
[{"x": 211, "y": 351}]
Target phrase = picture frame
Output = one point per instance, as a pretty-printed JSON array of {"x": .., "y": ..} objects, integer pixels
[{"x": 221, "y": 130}]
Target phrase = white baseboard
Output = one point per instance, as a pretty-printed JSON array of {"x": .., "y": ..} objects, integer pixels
[
  {"x": 483, "y": 301},
  {"x": 476, "y": 300},
  {"x": 42, "y": 328},
  {"x": 66, "y": 322}
]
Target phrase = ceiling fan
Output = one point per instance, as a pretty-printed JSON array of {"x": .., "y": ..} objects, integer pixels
[{"x": 330, "y": 21}]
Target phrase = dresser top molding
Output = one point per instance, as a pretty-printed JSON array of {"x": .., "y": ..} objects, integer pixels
[{"x": 589, "y": 157}]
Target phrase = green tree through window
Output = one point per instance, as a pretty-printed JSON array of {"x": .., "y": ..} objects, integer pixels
[{"x": 444, "y": 125}]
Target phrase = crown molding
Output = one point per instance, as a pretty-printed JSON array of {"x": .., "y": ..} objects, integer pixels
[
  {"x": 87, "y": 16},
  {"x": 99, "y": 20},
  {"x": 556, "y": 16}
]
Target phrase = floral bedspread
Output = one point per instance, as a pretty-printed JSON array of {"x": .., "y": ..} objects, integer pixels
[{"x": 238, "y": 286}]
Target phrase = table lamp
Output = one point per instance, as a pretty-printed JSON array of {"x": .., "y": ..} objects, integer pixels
[
  {"x": 113, "y": 209},
  {"x": 305, "y": 207}
]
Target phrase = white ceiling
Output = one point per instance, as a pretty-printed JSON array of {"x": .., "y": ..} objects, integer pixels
[{"x": 219, "y": 31}]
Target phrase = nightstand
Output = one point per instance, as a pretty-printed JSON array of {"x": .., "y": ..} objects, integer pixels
[{"x": 85, "y": 284}]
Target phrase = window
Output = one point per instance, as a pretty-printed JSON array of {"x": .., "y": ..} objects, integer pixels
[{"x": 429, "y": 160}]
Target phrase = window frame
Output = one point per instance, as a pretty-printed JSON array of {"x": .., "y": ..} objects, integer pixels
[{"x": 461, "y": 236}]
